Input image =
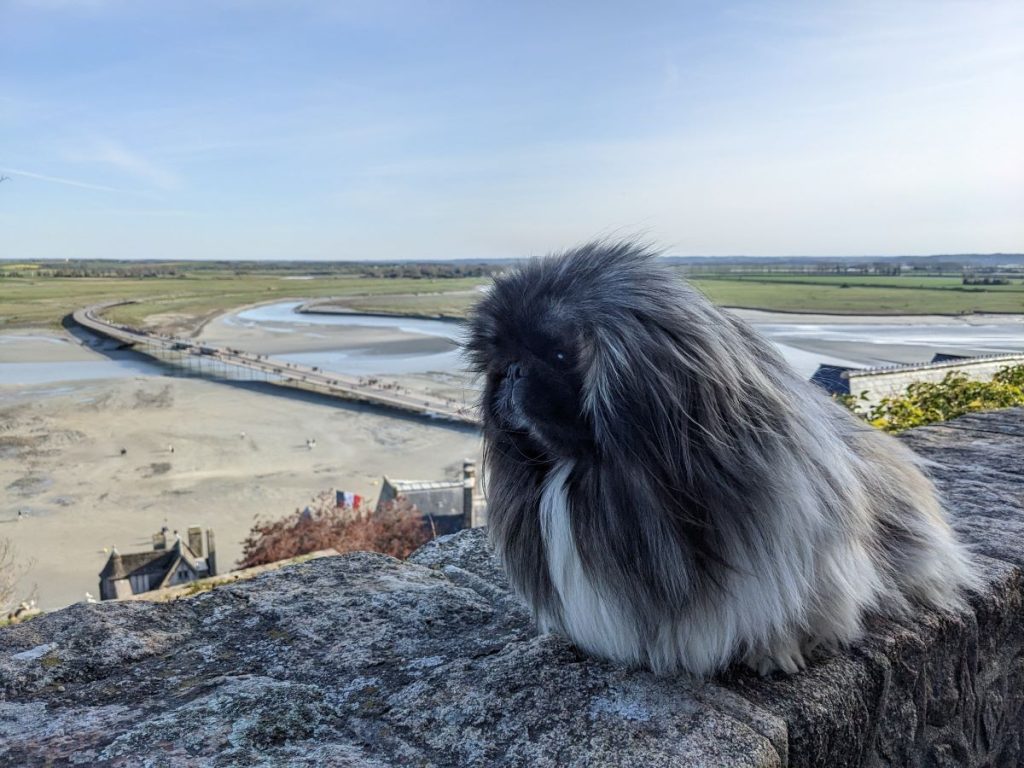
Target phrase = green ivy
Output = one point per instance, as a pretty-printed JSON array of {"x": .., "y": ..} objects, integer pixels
[{"x": 927, "y": 402}]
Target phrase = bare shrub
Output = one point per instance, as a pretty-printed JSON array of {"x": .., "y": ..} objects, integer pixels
[
  {"x": 10, "y": 571},
  {"x": 396, "y": 530}
]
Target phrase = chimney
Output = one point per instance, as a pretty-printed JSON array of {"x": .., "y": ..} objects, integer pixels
[
  {"x": 468, "y": 486},
  {"x": 117, "y": 570},
  {"x": 211, "y": 554},
  {"x": 195, "y": 540},
  {"x": 160, "y": 540}
]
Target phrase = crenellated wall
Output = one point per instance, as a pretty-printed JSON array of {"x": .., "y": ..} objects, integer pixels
[{"x": 877, "y": 383}]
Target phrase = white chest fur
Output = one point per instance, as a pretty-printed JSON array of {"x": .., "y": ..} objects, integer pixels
[{"x": 590, "y": 617}]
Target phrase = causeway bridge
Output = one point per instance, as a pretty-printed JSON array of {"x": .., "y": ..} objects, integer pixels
[{"x": 225, "y": 363}]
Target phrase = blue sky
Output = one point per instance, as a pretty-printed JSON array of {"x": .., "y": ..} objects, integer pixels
[{"x": 444, "y": 129}]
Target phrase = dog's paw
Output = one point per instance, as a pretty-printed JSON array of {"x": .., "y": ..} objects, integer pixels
[{"x": 785, "y": 657}]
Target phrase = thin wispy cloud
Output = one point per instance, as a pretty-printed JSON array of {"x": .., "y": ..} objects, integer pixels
[
  {"x": 58, "y": 180},
  {"x": 133, "y": 164}
]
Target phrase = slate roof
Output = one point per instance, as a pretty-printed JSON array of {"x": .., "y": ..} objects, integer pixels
[
  {"x": 831, "y": 379},
  {"x": 439, "y": 501},
  {"x": 442, "y": 497},
  {"x": 160, "y": 562}
]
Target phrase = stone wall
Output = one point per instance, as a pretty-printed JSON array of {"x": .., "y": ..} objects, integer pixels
[
  {"x": 877, "y": 383},
  {"x": 363, "y": 660}
]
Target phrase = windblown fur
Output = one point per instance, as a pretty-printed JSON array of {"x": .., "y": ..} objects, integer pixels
[{"x": 667, "y": 492}]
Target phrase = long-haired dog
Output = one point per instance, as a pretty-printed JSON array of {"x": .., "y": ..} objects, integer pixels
[{"x": 665, "y": 491}]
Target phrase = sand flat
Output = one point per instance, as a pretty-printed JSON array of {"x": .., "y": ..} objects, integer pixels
[
  {"x": 43, "y": 345},
  {"x": 60, "y": 464},
  {"x": 295, "y": 337}
]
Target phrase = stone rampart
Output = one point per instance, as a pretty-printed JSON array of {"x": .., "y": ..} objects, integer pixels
[{"x": 363, "y": 660}]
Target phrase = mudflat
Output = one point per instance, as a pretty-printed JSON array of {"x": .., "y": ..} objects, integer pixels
[{"x": 238, "y": 454}]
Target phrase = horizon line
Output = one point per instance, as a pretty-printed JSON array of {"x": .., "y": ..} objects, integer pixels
[{"x": 831, "y": 257}]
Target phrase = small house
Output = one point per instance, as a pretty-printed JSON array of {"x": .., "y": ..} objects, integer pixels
[{"x": 166, "y": 565}]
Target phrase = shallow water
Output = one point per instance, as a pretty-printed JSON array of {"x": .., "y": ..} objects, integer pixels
[
  {"x": 28, "y": 374},
  {"x": 996, "y": 338},
  {"x": 282, "y": 317},
  {"x": 804, "y": 345},
  {"x": 889, "y": 344}
]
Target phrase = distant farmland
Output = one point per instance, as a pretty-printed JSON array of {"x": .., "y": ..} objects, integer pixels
[
  {"x": 861, "y": 294},
  {"x": 178, "y": 296},
  {"x": 180, "y": 302}
]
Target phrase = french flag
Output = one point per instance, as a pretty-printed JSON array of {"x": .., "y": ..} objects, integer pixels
[{"x": 348, "y": 499}]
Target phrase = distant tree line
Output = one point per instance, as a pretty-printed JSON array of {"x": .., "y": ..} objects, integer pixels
[
  {"x": 431, "y": 270},
  {"x": 971, "y": 280},
  {"x": 970, "y": 276},
  {"x": 179, "y": 269},
  {"x": 91, "y": 269},
  {"x": 883, "y": 269}
]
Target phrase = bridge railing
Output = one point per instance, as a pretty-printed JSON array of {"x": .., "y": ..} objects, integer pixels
[{"x": 344, "y": 386}]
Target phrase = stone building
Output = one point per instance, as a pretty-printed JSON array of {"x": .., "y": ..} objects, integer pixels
[
  {"x": 168, "y": 564},
  {"x": 446, "y": 505}
]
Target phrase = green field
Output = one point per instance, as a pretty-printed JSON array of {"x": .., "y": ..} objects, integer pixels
[
  {"x": 44, "y": 301},
  {"x": 867, "y": 294},
  {"x": 453, "y": 304},
  {"x": 182, "y": 301}
]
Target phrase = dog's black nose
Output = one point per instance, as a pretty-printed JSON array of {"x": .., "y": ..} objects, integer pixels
[{"x": 515, "y": 371}]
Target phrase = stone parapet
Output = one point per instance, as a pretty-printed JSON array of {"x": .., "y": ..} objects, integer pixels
[{"x": 363, "y": 660}]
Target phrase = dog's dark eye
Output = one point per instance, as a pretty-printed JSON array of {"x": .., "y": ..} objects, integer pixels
[{"x": 561, "y": 357}]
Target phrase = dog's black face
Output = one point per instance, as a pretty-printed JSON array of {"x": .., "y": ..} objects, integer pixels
[{"x": 533, "y": 388}]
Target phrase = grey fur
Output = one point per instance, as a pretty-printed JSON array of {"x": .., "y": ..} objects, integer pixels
[{"x": 677, "y": 497}]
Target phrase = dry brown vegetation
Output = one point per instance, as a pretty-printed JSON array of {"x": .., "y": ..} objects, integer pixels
[{"x": 396, "y": 530}]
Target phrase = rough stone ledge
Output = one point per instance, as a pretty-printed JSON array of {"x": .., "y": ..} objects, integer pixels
[{"x": 363, "y": 660}]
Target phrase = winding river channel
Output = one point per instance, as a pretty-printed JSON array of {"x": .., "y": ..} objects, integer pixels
[
  {"x": 804, "y": 344},
  {"x": 394, "y": 346}
]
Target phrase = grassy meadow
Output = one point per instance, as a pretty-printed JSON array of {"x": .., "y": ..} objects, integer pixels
[
  {"x": 178, "y": 301},
  {"x": 861, "y": 294},
  {"x": 44, "y": 301}
]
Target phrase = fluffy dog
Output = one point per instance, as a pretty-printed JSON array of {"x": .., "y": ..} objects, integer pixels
[{"x": 666, "y": 492}]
